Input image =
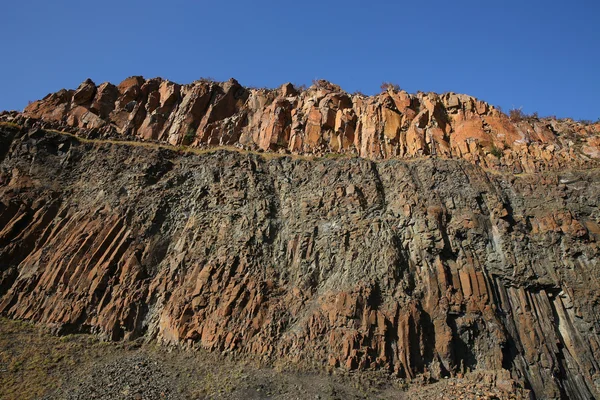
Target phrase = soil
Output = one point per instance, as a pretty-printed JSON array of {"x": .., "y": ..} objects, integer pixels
[{"x": 35, "y": 364}]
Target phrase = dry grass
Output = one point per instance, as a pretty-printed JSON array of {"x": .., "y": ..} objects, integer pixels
[
  {"x": 10, "y": 124},
  {"x": 266, "y": 155},
  {"x": 184, "y": 149},
  {"x": 33, "y": 363}
]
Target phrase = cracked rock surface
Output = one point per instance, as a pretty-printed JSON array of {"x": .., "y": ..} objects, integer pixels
[
  {"x": 322, "y": 119},
  {"x": 425, "y": 268}
]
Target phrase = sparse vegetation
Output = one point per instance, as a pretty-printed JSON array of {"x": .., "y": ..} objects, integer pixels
[
  {"x": 39, "y": 360},
  {"x": 10, "y": 124},
  {"x": 385, "y": 86},
  {"x": 183, "y": 148},
  {"x": 207, "y": 79},
  {"x": 496, "y": 151},
  {"x": 334, "y": 155},
  {"x": 517, "y": 115},
  {"x": 35, "y": 364},
  {"x": 189, "y": 136},
  {"x": 299, "y": 88}
]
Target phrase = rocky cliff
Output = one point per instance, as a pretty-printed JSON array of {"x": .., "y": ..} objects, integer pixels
[
  {"x": 426, "y": 257},
  {"x": 322, "y": 119}
]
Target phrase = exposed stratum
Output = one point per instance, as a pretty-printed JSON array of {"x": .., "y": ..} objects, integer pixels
[{"x": 425, "y": 235}]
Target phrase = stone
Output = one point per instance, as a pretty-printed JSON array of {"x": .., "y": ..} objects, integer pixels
[
  {"x": 430, "y": 255},
  {"x": 104, "y": 101},
  {"x": 324, "y": 119},
  {"x": 84, "y": 93}
]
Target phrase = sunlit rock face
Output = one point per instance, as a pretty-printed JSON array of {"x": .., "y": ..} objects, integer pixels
[
  {"x": 323, "y": 119},
  {"x": 427, "y": 256}
]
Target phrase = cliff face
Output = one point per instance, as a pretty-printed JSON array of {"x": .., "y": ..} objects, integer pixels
[
  {"x": 459, "y": 240},
  {"x": 425, "y": 267},
  {"x": 322, "y": 119}
]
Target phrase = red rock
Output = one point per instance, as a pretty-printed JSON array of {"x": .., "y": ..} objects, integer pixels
[
  {"x": 130, "y": 83},
  {"x": 104, "y": 101},
  {"x": 421, "y": 268},
  {"x": 324, "y": 119},
  {"x": 84, "y": 93}
]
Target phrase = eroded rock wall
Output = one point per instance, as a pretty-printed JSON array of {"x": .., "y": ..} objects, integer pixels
[
  {"x": 323, "y": 119},
  {"x": 422, "y": 268}
]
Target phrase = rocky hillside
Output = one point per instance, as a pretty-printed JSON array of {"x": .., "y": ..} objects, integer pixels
[
  {"x": 426, "y": 257},
  {"x": 322, "y": 119}
]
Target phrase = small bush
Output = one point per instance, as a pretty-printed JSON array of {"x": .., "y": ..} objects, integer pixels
[
  {"x": 299, "y": 88},
  {"x": 207, "y": 79},
  {"x": 496, "y": 152},
  {"x": 189, "y": 136},
  {"x": 385, "y": 86},
  {"x": 516, "y": 114}
]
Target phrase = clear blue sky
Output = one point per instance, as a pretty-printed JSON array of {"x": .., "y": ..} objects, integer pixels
[{"x": 540, "y": 55}]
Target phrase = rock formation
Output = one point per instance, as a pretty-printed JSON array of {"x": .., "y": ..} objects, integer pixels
[
  {"x": 322, "y": 119},
  {"x": 427, "y": 256}
]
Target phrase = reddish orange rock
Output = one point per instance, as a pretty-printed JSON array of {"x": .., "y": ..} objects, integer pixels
[{"x": 324, "y": 119}]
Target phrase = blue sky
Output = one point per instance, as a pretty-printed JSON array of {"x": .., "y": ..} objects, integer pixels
[{"x": 542, "y": 56}]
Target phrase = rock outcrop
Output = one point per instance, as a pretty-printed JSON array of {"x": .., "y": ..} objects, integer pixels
[
  {"x": 323, "y": 119},
  {"x": 425, "y": 268}
]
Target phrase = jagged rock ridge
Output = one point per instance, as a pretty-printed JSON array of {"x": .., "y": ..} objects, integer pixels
[{"x": 320, "y": 120}]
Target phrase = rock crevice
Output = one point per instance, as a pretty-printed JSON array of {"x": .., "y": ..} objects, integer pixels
[{"x": 423, "y": 268}]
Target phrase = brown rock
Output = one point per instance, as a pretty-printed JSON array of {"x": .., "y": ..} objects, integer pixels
[
  {"x": 84, "y": 93},
  {"x": 427, "y": 268},
  {"x": 324, "y": 119},
  {"x": 104, "y": 102}
]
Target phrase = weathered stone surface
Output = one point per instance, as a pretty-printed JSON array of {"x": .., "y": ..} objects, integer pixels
[
  {"x": 424, "y": 268},
  {"x": 53, "y": 107},
  {"x": 324, "y": 119},
  {"x": 104, "y": 102},
  {"x": 84, "y": 93}
]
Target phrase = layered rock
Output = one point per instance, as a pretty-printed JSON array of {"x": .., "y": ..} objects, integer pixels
[
  {"x": 424, "y": 268},
  {"x": 323, "y": 119}
]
